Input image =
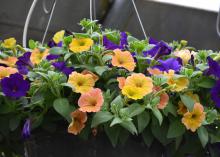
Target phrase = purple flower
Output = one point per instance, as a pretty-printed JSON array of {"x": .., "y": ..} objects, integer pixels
[
  {"x": 24, "y": 63},
  {"x": 52, "y": 57},
  {"x": 160, "y": 49},
  {"x": 112, "y": 46},
  {"x": 61, "y": 66},
  {"x": 169, "y": 64},
  {"x": 51, "y": 44},
  {"x": 215, "y": 93},
  {"x": 214, "y": 67},
  {"x": 15, "y": 86},
  {"x": 26, "y": 131}
]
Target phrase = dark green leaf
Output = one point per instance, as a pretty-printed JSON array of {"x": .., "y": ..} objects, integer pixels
[
  {"x": 158, "y": 115},
  {"x": 101, "y": 117},
  {"x": 56, "y": 51},
  {"x": 115, "y": 121},
  {"x": 134, "y": 109},
  {"x": 147, "y": 137},
  {"x": 176, "y": 129},
  {"x": 203, "y": 135},
  {"x": 206, "y": 82},
  {"x": 143, "y": 120},
  {"x": 100, "y": 69},
  {"x": 112, "y": 133},
  {"x": 188, "y": 101},
  {"x": 14, "y": 123},
  {"x": 129, "y": 125}
]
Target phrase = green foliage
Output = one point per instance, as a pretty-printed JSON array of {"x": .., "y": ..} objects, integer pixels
[
  {"x": 203, "y": 135},
  {"x": 189, "y": 102},
  {"x": 176, "y": 129},
  {"x": 101, "y": 117}
]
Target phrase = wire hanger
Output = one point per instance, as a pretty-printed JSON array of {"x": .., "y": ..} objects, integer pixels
[
  {"x": 218, "y": 23},
  {"x": 46, "y": 11}
]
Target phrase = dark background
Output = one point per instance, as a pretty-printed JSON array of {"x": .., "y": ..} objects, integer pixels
[{"x": 162, "y": 21}]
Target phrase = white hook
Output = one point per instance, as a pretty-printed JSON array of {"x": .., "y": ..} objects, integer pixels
[{"x": 218, "y": 23}]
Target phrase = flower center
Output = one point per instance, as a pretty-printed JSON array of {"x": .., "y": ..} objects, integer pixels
[
  {"x": 194, "y": 116},
  {"x": 93, "y": 102},
  {"x": 81, "y": 43},
  {"x": 80, "y": 83}
]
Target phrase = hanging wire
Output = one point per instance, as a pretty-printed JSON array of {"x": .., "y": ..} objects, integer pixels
[
  {"x": 26, "y": 25},
  {"x": 139, "y": 19},
  {"x": 51, "y": 11},
  {"x": 94, "y": 9},
  {"x": 218, "y": 23},
  {"x": 91, "y": 10}
]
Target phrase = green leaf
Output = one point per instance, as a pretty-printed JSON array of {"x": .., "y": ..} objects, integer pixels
[
  {"x": 176, "y": 129},
  {"x": 158, "y": 115},
  {"x": 117, "y": 104},
  {"x": 14, "y": 123},
  {"x": 32, "y": 44},
  {"x": 134, "y": 109},
  {"x": 203, "y": 135},
  {"x": 61, "y": 105},
  {"x": 170, "y": 108},
  {"x": 143, "y": 120},
  {"x": 113, "y": 134},
  {"x": 56, "y": 51},
  {"x": 101, "y": 117},
  {"x": 100, "y": 69},
  {"x": 67, "y": 40},
  {"x": 115, "y": 121},
  {"x": 211, "y": 116},
  {"x": 148, "y": 137},
  {"x": 206, "y": 82},
  {"x": 129, "y": 125},
  {"x": 189, "y": 102}
]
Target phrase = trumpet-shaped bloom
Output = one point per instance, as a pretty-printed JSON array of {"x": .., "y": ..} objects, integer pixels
[
  {"x": 95, "y": 77},
  {"x": 37, "y": 56},
  {"x": 81, "y": 83},
  {"x": 52, "y": 57},
  {"x": 214, "y": 67},
  {"x": 15, "y": 86},
  {"x": 112, "y": 46},
  {"x": 133, "y": 92},
  {"x": 9, "y": 43},
  {"x": 169, "y": 64},
  {"x": 24, "y": 63},
  {"x": 215, "y": 94},
  {"x": 78, "y": 122},
  {"x": 164, "y": 98},
  {"x": 178, "y": 84},
  {"x": 123, "y": 59},
  {"x": 58, "y": 37},
  {"x": 79, "y": 45},
  {"x": 6, "y": 71},
  {"x": 160, "y": 49},
  {"x": 91, "y": 101},
  {"x": 9, "y": 61},
  {"x": 193, "y": 120},
  {"x": 182, "y": 109},
  {"x": 154, "y": 71},
  {"x": 140, "y": 81},
  {"x": 121, "y": 82},
  {"x": 61, "y": 66},
  {"x": 185, "y": 55}
]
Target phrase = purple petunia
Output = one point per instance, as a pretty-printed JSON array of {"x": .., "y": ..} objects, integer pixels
[
  {"x": 112, "y": 46},
  {"x": 24, "y": 63},
  {"x": 52, "y": 57},
  {"x": 15, "y": 86},
  {"x": 61, "y": 66},
  {"x": 214, "y": 67},
  {"x": 169, "y": 64},
  {"x": 215, "y": 93},
  {"x": 26, "y": 131},
  {"x": 160, "y": 49},
  {"x": 51, "y": 44}
]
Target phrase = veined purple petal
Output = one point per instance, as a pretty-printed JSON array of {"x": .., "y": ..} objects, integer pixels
[
  {"x": 169, "y": 64},
  {"x": 26, "y": 131},
  {"x": 214, "y": 67},
  {"x": 61, "y": 66},
  {"x": 215, "y": 94},
  {"x": 24, "y": 63},
  {"x": 52, "y": 57}
]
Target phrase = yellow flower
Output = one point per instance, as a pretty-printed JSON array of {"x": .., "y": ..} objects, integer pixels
[
  {"x": 133, "y": 92},
  {"x": 80, "y": 44},
  {"x": 137, "y": 86},
  {"x": 6, "y": 71},
  {"x": 178, "y": 84},
  {"x": 37, "y": 55},
  {"x": 81, "y": 82},
  {"x": 140, "y": 81},
  {"x": 123, "y": 59},
  {"x": 58, "y": 37},
  {"x": 185, "y": 55},
  {"x": 9, "y": 43},
  {"x": 193, "y": 120},
  {"x": 9, "y": 61}
]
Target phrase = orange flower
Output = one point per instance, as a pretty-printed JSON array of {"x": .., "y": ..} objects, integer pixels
[
  {"x": 6, "y": 71},
  {"x": 193, "y": 120},
  {"x": 78, "y": 122},
  {"x": 9, "y": 61},
  {"x": 37, "y": 55},
  {"x": 121, "y": 82},
  {"x": 91, "y": 101},
  {"x": 164, "y": 98},
  {"x": 81, "y": 83},
  {"x": 94, "y": 76},
  {"x": 123, "y": 59},
  {"x": 182, "y": 109},
  {"x": 154, "y": 71}
]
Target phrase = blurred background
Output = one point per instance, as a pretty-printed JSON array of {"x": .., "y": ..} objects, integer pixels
[{"x": 168, "y": 20}]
